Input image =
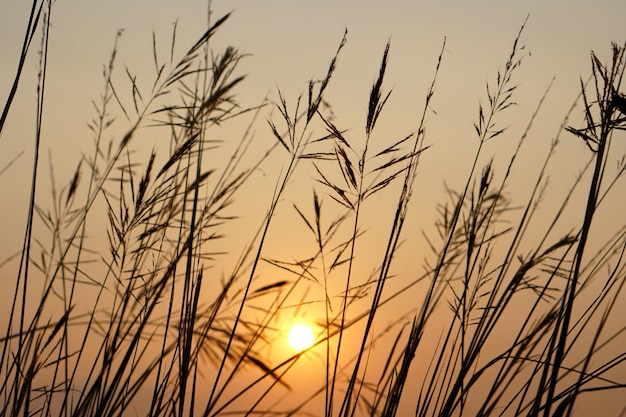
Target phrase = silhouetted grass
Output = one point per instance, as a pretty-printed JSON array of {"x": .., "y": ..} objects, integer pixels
[{"x": 154, "y": 324}]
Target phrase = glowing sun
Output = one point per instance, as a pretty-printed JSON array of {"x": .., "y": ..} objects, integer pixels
[{"x": 301, "y": 337}]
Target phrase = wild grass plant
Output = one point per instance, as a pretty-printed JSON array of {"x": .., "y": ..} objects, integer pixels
[{"x": 507, "y": 321}]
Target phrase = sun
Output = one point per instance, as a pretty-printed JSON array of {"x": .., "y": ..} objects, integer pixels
[{"x": 301, "y": 337}]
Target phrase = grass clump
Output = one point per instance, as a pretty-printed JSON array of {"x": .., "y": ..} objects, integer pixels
[{"x": 507, "y": 321}]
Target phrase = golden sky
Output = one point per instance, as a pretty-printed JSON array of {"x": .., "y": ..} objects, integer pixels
[{"x": 291, "y": 42}]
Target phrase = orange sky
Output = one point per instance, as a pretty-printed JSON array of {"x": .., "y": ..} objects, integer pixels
[{"x": 291, "y": 42}]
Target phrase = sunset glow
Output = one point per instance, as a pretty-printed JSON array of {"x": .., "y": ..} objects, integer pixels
[{"x": 330, "y": 208}]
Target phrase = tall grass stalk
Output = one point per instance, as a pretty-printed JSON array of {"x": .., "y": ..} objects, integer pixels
[
  {"x": 597, "y": 135},
  {"x": 22, "y": 384}
]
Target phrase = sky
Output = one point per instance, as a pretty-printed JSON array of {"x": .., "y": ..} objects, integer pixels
[{"x": 291, "y": 42}]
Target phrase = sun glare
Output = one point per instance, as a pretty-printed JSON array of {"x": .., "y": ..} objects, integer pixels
[{"x": 301, "y": 337}]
